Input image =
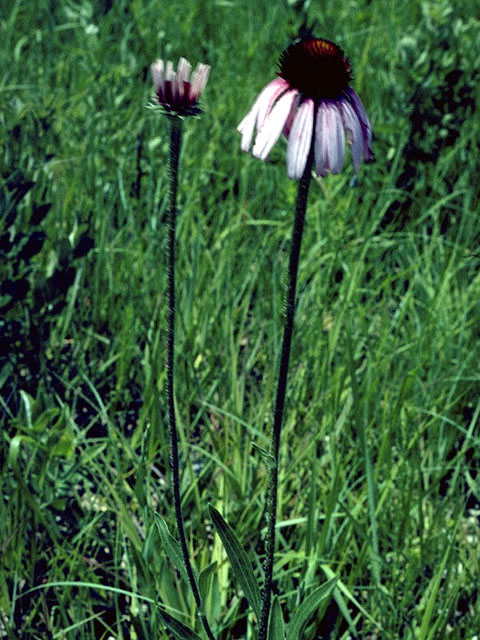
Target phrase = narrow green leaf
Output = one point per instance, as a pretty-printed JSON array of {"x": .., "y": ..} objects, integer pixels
[
  {"x": 178, "y": 629},
  {"x": 342, "y": 605},
  {"x": 276, "y": 628},
  {"x": 205, "y": 581},
  {"x": 312, "y": 527},
  {"x": 14, "y": 450},
  {"x": 172, "y": 546},
  {"x": 361, "y": 420},
  {"x": 241, "y": 566},
  {"x": 307, "y": 608},
  {"x": 47, "y": 418},
  {"x": 266, "y": 455},
  {"x": 27, "y": 401},
  {"x": 434, "y": 587}
]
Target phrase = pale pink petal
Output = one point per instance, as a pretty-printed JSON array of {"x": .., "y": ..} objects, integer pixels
[
  {"x": 183, "y": 70},
  {"x": 364, "y": 122},
  {"x": 273, "y": 126},
  {"x": 300, "y": 140},
  {"x": 170, "y": 82},
  {"x": 354, "y": 133},
  {"x": 158, "y": 70},
  {"x": 329, "y": 139},
  {"x": 260, "y": 109},
  {"x": 183, "y": 75},
  {"x": 321, "y": 158},
  {"x": 272, "y": 91},
  {"x": 335, "y": 137},
  {"x": 247, "y": 125},
  {"x": 291, "y": 117},
  {"x": 199, "y": 80},
  {"x": 246, "y": 128}
]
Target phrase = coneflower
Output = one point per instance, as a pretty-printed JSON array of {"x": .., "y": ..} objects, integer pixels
[
  {"x": 177, "y": 94},
  {"x": 312, "y": 104}
]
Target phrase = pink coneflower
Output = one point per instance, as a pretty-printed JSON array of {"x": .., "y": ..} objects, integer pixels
[
  {"x": 176, "y": 92},
  {"x": 310, "y": 101},
  {"x": 177, "y": 95}
]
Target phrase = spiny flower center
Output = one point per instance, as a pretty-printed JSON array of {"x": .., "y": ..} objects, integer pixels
[{"x": 317, "y": 68}]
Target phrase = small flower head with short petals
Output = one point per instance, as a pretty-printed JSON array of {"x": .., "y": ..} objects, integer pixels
[
  {"x": 178, "y": 92},
  {"x": 311, "y": 104}
]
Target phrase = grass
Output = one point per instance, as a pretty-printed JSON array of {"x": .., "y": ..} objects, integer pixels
[{"x": 380, "y": 451}]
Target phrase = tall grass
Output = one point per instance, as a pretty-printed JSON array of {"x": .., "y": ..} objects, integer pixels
[{"x": 384, "y": 356}]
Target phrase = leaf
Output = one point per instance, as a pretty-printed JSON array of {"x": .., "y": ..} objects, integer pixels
[
  {"x": 28, "y": 406},
  {"x": 45, "y": 419},
  {"x": 178, "y": 629},
  {"x": 61, "y": 441},
  {"x": 172, "y": 547},
  {"x": 276, "y": 628},
  {"x": 308, "y": 606},
  {"x": 205, "y": 581},
  {"x": 342, "y": 605},
  {"x": 428, "y": 618},
  {"x": 14, "y": 450},
  {"x": 268, "y": 458},
  {"x": 241, "y": 566}
]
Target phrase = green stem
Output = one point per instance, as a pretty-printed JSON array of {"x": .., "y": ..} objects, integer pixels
[
  {"x": 271, "y": 511},
  {"x": 175, "y": 142}
]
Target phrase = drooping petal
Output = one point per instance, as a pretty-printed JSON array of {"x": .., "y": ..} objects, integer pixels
[
  {"x": 291, "y": 117},
  {"x": 320, "y": 149},
  {"x": 364, "y": 122},
  {"x": 335, "y": 137},
  {"x": 329, "y": 139},
  {"x": 354, "y": 133},
  {"x": 259, "y": 111},
  {"x": 246, "y": 128},
  {"x": 273, "y": 90},
  {"x": 300, "y": 140},
  {"x": 273, "y": 125}
]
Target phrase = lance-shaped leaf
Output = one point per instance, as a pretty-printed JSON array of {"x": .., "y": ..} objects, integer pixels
[
  {"x": 172, "y": 547},
  {"x": 179, "y": 630},
  {"x": 276, "y": 628},
  {"x": 266, "y": 455},
  {"x": 306, "y": 609},
  {"x": 205, "y": 580},
  {"x": 241, "y": 566}
]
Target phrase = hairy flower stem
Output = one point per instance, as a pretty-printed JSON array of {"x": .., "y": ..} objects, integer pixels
[
  {"x": 175, "y": 142},
  {"x": 271, "y": 511}
]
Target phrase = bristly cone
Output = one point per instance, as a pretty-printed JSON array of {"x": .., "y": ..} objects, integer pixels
[{"x": 316, "y": 67}]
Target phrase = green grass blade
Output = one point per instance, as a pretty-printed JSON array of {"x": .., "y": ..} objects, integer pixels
[
  {"x": 360, "y": 417},
  {"x": 429, "y": 613},
  {"x": 342, "y": 605}
]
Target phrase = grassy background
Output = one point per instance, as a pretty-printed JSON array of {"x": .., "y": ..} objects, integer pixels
[{"x": 379, "y": 476}]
